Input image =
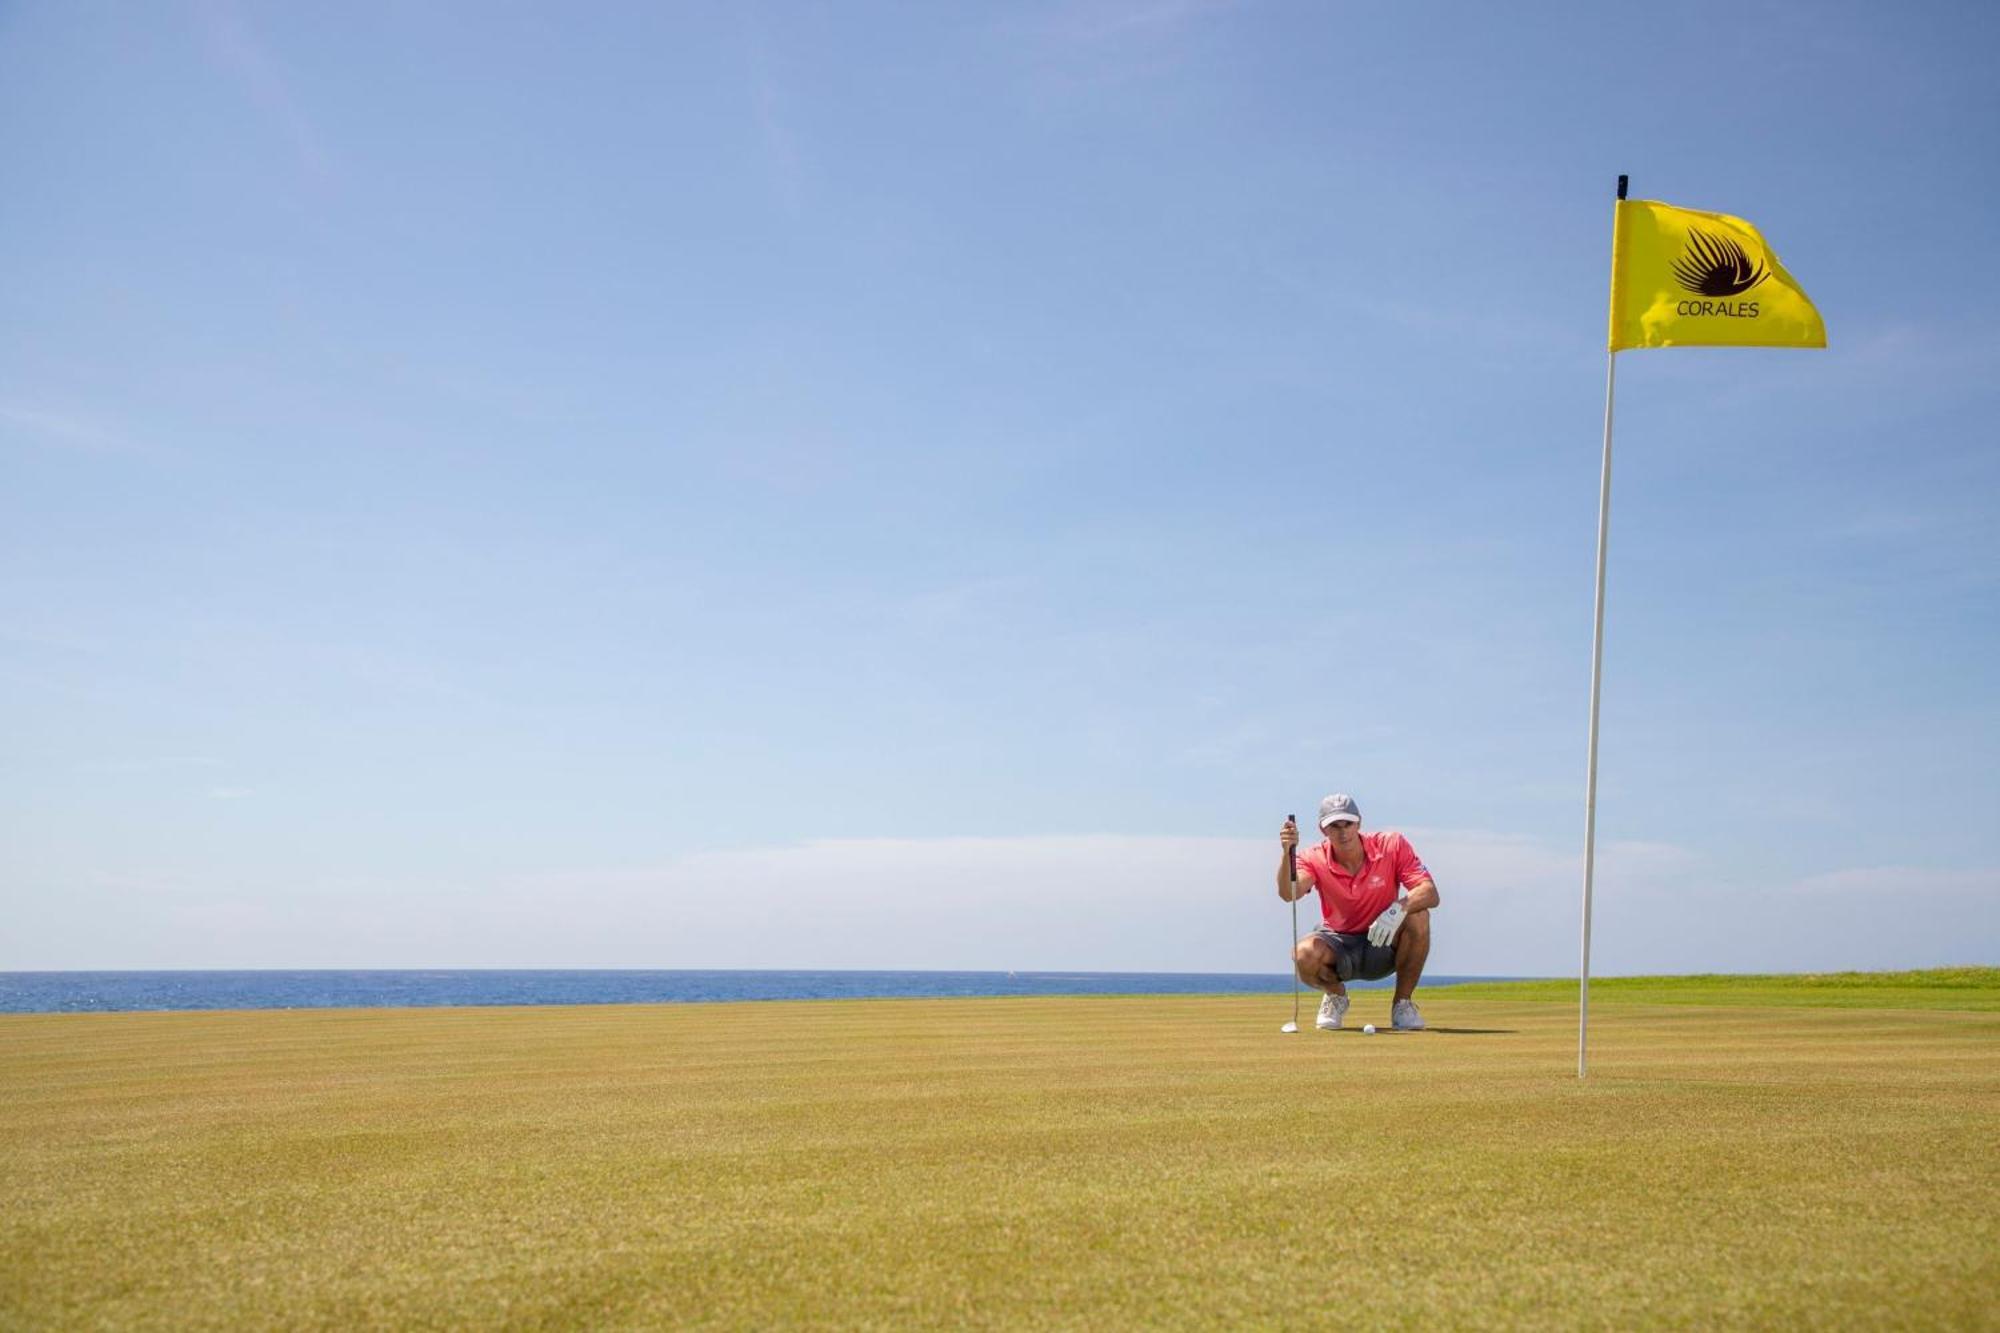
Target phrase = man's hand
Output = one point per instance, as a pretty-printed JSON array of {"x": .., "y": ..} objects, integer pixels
[
  {"x": 1386, "y": 925},
  {"x": 1288, "y": 844}
]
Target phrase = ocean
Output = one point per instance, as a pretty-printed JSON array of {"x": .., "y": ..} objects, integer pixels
[{"x": 78, "y": 992}]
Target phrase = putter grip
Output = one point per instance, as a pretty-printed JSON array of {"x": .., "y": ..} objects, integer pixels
[{"x": 1291, "y": 856}]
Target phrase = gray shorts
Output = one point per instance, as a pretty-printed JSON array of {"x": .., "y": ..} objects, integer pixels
[{"x": 1354, "y": 958}]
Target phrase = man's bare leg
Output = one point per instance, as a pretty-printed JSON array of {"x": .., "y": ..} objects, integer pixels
[
  {"x": 1413, "y": 946},
  {"x": 1314, "y": 959}
]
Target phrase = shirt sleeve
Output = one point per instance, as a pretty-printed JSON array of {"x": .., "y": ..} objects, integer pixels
[{"x": 1410, "y": 868}]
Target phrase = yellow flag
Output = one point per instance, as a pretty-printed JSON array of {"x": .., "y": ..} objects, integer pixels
[{"x": 1681, "y": 278}]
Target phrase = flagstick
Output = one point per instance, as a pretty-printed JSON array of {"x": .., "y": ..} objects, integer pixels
[
  {"x": 1596, "y": 688},
  {"x": 1596, "y": 693}
]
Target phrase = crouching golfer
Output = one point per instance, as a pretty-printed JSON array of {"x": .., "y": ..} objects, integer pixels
[{"x": 1365, "y": 932}]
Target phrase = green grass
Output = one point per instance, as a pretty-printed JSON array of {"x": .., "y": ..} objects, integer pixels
[
  {"x": 1937, "y": 988},
  {"x": 1099, "y": 1162}
]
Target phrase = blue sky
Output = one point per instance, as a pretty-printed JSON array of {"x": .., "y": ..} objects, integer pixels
[{"x": 910, "y": 486}]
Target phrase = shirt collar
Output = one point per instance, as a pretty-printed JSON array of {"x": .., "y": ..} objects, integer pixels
[{"x": 1367, "y": 851}]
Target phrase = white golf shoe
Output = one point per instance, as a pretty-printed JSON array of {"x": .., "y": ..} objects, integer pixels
[
  {"x": 1330, "y": 1010},
  {"x": 1403, "y": 1016}
]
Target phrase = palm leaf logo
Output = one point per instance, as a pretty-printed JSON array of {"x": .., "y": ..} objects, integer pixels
[{"x": 1716, "y": 266}]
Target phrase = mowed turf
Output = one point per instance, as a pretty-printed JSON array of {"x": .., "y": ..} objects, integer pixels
[{"x": 1089, "y": 1162}]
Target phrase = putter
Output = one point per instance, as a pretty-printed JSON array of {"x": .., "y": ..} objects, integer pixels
[{"x": 1292, "y": 942}]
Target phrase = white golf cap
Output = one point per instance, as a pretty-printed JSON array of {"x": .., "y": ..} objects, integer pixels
[{"x": 1337, "y": 809}]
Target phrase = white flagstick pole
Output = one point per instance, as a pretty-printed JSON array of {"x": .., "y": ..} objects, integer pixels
[
  {"x": 1596, "y": 689},
  {"x": 1596, "y": 692}
]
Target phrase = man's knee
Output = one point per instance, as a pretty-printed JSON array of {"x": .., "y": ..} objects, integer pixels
[
  {"x": 1416, "y": 928},
  {"x": 1312, "y": 953}
]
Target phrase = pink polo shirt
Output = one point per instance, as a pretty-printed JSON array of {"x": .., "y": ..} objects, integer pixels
[{"x": 1350, "y": 903}]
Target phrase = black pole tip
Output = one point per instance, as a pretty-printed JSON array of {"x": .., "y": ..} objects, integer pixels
[{"x": 1622, "y": 181}]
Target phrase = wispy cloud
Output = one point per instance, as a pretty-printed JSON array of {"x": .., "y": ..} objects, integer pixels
[
  {"x": 1902, "y": 883},
  {"x": 1172, "y": 903},
  {"x": 1510, "y": 907},
  {"x": 1901, "y": 346},
  {"x": 1097, "y": 42},
  {"x": 965, "y": 602},
  {"x": 1099, "y": 22},
  {"x": 239, "y": 50},
  {"x": 1237, "y": 745},
  {"x": 1887, "y": 525},
  {"x": 773, "y": 117},
  {"x": 64, "y": 430},
  {"x": 164, "y": 763}
]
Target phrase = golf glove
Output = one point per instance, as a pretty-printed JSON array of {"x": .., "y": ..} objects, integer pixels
[{"x": 1386, "y": 925}]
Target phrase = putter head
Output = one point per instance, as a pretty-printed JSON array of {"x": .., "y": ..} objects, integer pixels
[{"x": 1289, "y": 1027}]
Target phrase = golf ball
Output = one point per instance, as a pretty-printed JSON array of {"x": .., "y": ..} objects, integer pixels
[{"x": 1368, "y": 1030}]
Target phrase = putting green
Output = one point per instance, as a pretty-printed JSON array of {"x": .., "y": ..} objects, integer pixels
[{"x": 1094, "y": 1161}]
